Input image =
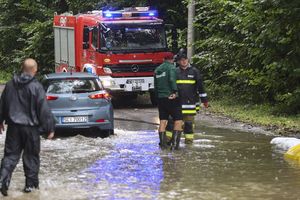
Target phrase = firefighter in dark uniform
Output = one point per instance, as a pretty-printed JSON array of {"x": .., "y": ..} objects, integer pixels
[
  {"x": 24, "y": 109},
  {"x": 191, "y": 90}
]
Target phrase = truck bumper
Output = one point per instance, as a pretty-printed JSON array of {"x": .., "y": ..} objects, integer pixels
[{"x": 128, "y": 84}]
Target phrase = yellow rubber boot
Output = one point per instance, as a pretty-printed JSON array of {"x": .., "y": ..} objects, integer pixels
[{"x": 189, "y": 138}]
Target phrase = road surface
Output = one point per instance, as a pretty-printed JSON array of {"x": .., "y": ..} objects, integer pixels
[{"x": 223, "y": 163}]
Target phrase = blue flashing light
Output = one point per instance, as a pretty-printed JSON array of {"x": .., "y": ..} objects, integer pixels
[
  {"x": 119, "y": 14},
  {"x": 112, "y": 14},
  {"x": 108, "y": 15},
  {"x": 152, "y": 14}
]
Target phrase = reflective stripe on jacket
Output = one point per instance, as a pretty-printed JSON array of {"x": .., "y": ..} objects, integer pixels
[{"x": 190, "y": 88}]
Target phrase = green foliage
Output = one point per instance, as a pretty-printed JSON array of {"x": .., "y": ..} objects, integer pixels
[
  {"x": 253, "y": 47},
  {"x": 26, "y": 26},
  {"x": 246, "y": 48}
]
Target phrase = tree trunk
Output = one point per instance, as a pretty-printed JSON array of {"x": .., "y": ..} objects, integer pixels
[{"x": 190, "y": 32}]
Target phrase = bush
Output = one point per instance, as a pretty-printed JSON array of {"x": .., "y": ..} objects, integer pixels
[{"x": 253, "y": 48}]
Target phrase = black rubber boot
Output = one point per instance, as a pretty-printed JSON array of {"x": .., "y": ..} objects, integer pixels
[
  {"x": 29, "y": 189},
  {"x": 162, "y": 139},
  {"x": 4, "y": 183},
  {"x": 175, "y": 142},
  {"x": 178, "y": 138},
  {"x": 4, "y": 188}
]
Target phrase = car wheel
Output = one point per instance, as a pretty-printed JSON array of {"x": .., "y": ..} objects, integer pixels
[{"x": 106, "y": 133}]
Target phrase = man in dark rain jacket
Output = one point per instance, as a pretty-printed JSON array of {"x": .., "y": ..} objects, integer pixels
[{"x": 24, "y": 109}]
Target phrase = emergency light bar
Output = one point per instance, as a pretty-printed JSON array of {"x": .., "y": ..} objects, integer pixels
[
  {"x": 111, "y": 15},
  {"x": 127, "y": 14},
  {"x": 143, "y": 9}
]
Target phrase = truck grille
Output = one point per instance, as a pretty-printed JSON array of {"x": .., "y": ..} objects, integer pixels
[{"x": 129, "y": 68}]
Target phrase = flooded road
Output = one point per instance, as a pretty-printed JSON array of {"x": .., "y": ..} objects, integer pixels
[{"x": 221, "y": 164}]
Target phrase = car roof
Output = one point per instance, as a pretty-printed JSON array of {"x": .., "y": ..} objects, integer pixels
[{"x": 70, "y": 75}]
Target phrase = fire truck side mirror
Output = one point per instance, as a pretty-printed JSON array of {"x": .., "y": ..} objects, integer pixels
[{"x": 86, "y": 37}]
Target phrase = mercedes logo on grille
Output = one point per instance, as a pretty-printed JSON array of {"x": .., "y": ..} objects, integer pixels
[{"x": 135, "y": 68}]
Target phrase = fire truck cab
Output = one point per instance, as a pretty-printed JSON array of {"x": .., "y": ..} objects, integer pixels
[{"x": 122, "y": 47}]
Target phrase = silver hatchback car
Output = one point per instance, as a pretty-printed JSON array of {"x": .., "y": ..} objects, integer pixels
[{"x": 79, "y": 101}]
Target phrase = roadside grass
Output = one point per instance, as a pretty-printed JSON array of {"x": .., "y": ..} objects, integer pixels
[
  {"x": 257, "y": 114},
  {"x": 5, "y": 76}
]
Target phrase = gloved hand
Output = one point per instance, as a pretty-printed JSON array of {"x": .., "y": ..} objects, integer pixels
[{"x": 206, "y": 104}]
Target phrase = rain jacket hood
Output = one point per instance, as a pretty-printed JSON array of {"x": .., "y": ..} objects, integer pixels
[{"x": 23, "y": 79}]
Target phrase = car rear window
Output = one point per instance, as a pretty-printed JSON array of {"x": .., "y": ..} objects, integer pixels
[{"x": 72, "y": 85}]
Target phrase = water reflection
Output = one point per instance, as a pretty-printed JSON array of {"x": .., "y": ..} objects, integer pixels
[{"x": 131, "y": 170}]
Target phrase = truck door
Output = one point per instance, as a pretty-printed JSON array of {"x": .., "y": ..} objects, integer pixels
[{"x": 90, "y": 46}]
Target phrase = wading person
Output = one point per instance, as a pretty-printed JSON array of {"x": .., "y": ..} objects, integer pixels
[
  {"x": 24, "y": 109},
  {"x": 190, "y": 89},
  {"x": 168, "y": 101}
]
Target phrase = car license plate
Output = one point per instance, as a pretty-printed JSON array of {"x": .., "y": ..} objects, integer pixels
[{"x": 81, "y": 119}]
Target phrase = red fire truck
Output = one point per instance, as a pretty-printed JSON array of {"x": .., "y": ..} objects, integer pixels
[{"x": 122, "y": 47}]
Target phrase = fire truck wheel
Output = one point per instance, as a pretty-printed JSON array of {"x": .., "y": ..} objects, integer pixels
[{"x": 153, "y": 99}]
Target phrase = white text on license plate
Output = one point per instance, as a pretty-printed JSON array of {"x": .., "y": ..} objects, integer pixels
[{"x": 81, "y": 119}]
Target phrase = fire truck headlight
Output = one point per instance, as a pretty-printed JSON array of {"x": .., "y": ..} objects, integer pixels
[
  {"x": 108, "y": 83},
  {"x": 107, "y": 70}
]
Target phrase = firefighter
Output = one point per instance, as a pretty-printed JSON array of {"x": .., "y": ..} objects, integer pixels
[
  {"x": 191, "y": 91},
  {"x": 168, "y": 101},
  {"x": 24, "y": 108}
]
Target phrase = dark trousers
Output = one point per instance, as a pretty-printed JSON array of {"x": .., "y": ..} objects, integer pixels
[{"x": 21, "y": 139}]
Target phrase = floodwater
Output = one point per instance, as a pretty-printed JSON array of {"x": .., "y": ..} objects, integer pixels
[{"x": 221, "y": 164}]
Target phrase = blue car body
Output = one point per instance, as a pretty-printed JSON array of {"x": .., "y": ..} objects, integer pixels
[{"x": 78, "y": 101}]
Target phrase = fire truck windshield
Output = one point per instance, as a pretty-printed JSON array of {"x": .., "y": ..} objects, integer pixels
[{"x": 133, "y": 38}]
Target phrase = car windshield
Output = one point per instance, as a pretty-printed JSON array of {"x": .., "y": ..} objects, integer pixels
[
  {"x": 133, "y": 37},
  {"x": 72, "y": 85}
]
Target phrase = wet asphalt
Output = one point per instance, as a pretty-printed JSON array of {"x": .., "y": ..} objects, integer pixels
[{"x": 222, "y": 163}]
